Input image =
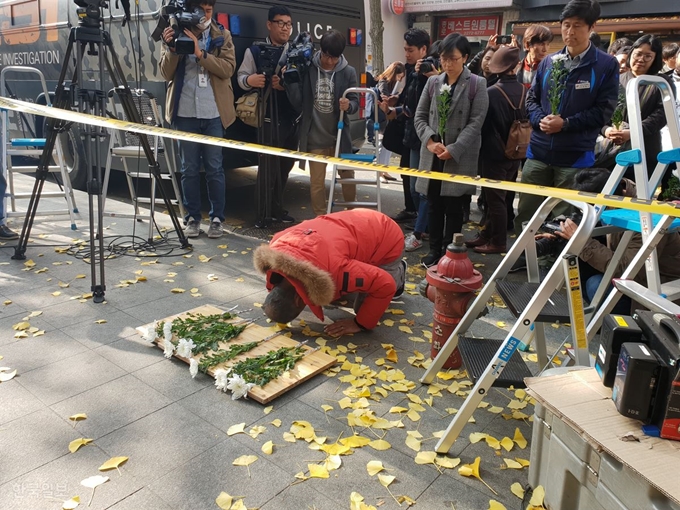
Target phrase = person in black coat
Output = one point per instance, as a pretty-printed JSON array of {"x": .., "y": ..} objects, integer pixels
[{"x": 493, "y": 162}]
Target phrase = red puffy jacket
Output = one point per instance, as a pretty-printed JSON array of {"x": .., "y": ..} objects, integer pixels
[{"x": 337, "y": 254}]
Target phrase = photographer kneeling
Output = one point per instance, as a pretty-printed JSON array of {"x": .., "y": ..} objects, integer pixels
[
  {"x": 599, "y": 255},
  {"x": 199, "y": 86}
]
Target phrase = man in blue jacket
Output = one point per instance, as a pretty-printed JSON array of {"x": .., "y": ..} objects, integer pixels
[{"x": 564, "y": 143}]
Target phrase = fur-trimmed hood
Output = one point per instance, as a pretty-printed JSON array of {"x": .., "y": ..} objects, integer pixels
[{"x": 314, "y": 285}]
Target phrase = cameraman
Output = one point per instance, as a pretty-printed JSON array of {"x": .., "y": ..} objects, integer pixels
[
  {"x": 318, "y": 95},
  {"x": 280, "y": 27},
  {"x": 199, "y": 85}
]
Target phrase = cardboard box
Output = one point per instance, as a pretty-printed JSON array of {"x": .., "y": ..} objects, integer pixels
[{"x": 578, "y": 399}]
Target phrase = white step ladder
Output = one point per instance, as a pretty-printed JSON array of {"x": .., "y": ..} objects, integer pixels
[
  {"x": 126, "y": 145},
  {"x": 373, "y": 177},
  {"x": 32, "y": 148},
  {"x": 542, "y": 295}
]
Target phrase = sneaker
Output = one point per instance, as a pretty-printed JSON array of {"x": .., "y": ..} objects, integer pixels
[
  {"x": 401, "y": 288},
  {"x": 216, "y": 229},
  {"x": 431, "y": 259},
  {"x": 412, "y": 243},
  {"x": 285, "y": 218},
  {"x": 405, "y": 216},
  {"x": 193, "y": 229},
  {"x": 6, "y": 234}
]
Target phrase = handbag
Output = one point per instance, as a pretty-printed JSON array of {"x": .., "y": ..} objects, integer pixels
[
  {"x": 393, "y": 136},
  {"x": 248, "y": 109}
]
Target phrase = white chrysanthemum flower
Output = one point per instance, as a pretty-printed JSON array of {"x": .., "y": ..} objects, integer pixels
[
  {"x": 168, "y": 348},
  {"x": 193, "y": 367},
  {"x": 446, "y": 89},
  {"x": 167, "y": 330},
  {"x": 559, "y": 57},
  {"x": 184, "y": 348},
  {"x": 221, "y": 379},
  {"x": 149, "y": 334},
  {"x": 239, "y": 387}
]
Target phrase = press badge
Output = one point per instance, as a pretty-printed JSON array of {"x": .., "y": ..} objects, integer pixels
[
  {"x": 202, "y": 78},
  {"x": 582, "y": 85}
]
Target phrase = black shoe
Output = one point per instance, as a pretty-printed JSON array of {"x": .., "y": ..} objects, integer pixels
[
  {"x": 405, "y": 216},
  {"x": 6, "y": 234},
  {"x": 466, "y": 216},
  {"x": 520, "y": 263},
  {"x": 400, "y": 290},
  {"x": 431, "y": 259},
  {"x": 285, "y": 218},
  {"x": 263, "y": 223}
]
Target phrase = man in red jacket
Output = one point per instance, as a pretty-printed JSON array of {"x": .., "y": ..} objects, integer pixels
[{"x": 320, "y": 260}]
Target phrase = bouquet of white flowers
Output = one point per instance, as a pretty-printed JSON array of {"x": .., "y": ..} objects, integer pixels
[
  {"x": 443, "y": 107},
  {"x": 558, "y": 82}
]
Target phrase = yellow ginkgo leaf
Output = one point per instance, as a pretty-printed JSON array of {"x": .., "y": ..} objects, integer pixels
[
  {"x": 100, "y": 321},
  {"x": 317, "y": 471},
  {"x": 476, "y": 437},
  {"x": 519, "y": 439},
  {"x": 406, "y": 329},
  {"x": 268, "y": 448},
  {"x": 413, "y": 443},
  {"x": 517, "y": 489},
  {"x": 71, "y": 504},
  {"x": 380, "y": 444},
  {"x": 77, "y": 443},
  {"x": 507, "y": 444},
  {"x": 386, "y": 480},
  {"x": 92, "y": 483},
  {"x": 203, "y": 258},
  {"x": 56, "y": 294},
  {"x": 520, "y": 394},
  {"x": 327, "y": 407},
  {"x": 473, "y": 470},
  {"x": 177, "y": 291},
  {"x": 224, "y": 501},
  {"x": 512, "y": 464},
  {"x": 29, "y": 263},
  {"x": 495, "y": 505},
  {"x": 256, "y": 431},
  {"x": 355, "y": 441},
  {"x": 333, "y": 462},
  {"x": 239, "y": 505},
  {"x": 517, "y": 404},
  {"x": 21, "y": 326},
  {"x": 538, "y": 496},
  {"x": 113, "y": 463},
  {"x": 236, "y": 429},
  {"x": 446, "y": 462},
  {"x": 391, "y": 355},
  {"x": 493, "y": 442},
  {"x": 523, "y": 462},
  {"x": 268, "y": 409},
  {"x": 276, "y": 422},
  {"x": 374, "y": 467},
  {"x": 6, "y": 374},
  {"x": 245, "y": 460},
  {"x": 78, "y": 417},
  {"x": 288, "y": 437},
  {"x": 426, "y": 457},
  {"x": 495, "y": 409}
]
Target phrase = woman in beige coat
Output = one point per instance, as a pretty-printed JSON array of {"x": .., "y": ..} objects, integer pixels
[{"x": 459, "y": 150}]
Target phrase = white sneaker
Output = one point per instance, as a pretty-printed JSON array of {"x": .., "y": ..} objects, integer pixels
[
  {"x": 412, "y": 243},
  {"x": 216, "y": 229}
]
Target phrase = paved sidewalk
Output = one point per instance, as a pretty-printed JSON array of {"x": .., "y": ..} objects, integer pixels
[{"x": 172, "y": 427}]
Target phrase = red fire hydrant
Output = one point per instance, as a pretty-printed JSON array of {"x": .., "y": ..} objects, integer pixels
[{"x": 451, "y": 285}]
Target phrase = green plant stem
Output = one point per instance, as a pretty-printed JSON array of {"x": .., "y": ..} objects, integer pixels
[
  {"x": 260, "y": 370},
  {"x": 210, "y": 360},
  {"x": 206, "y": 331}
]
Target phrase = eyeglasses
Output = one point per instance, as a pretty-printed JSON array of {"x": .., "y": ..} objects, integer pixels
[
  {"x": 645, "y": 57},
  {"x": 449, "y": 59},
  {"x": 283, "y": 24},
  {"x": 329, "y": 57}
]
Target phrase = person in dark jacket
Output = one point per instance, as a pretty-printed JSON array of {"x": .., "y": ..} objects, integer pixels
[
  {"x": 319, "y": 97},
  {"x": 563, "y": 143},
  {"x": 493, "y": 163}
]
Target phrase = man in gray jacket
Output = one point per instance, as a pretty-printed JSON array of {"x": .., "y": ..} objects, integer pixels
[{"x": 319, "y": 97}]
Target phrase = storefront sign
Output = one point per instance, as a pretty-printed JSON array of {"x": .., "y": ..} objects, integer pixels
[
  {"x": 480, "y": 26},
  {"x": 396, "y": 6},
  {"x": 453, "y": 5}
]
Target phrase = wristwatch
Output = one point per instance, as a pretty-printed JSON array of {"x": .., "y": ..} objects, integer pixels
[{"x": 204, "y": 54}]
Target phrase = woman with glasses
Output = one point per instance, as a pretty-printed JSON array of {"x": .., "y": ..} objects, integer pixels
[
  {"x": 645, "y": 58},
  {"x": 456, "y": 149}
]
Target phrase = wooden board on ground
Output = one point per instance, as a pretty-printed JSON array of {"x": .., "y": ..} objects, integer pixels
[{"x": 312, "y": 364}]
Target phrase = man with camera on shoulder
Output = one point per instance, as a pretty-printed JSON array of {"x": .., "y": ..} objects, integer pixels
[
  {"x": 199, "y": 86},
  {"x": 251, "y": 77}
]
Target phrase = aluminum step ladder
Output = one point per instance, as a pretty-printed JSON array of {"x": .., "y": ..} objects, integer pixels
[
  {"x": 126, "y": 146},
  {"x": 502, "y": 354},
  {"x": 32, "y": 148},
  {"x": 372, "y": 177}
]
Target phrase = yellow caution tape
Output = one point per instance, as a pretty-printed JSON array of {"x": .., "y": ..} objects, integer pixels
[
  {"x": 576, "y": 302},
  {"x": 636, "y": 204}
]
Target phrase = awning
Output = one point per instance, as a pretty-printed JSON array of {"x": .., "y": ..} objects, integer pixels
[{"x": 612, "y": 25}]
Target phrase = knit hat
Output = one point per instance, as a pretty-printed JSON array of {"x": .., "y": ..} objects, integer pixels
[{"x": 504, "y": 59}]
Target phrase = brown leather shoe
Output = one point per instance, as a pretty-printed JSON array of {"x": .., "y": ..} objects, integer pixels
[
  {"x": 490, "y": 248},
  {"x": 476, "y": 241}
]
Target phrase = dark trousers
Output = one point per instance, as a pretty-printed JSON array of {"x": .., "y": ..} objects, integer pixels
[
  {"x": 445, "y": 216},
  {"x": 405, "y": 161},
  {"x": 496, "y": 224},
  {"x": 288, "y": 138}
]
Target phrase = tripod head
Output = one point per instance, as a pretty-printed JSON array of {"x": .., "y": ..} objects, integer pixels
[{"x": 90, "y": 12}]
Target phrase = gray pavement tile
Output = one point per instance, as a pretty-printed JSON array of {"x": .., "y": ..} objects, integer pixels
[
  {"x": 47, "y": 486},
  {"x": 160, "y": 442},
  {"x": 112, "y": 405},
  {"x": 85, "y": 329},
  {"x": 72, "y": 312},
  {"x": 302, "y": 495},
  {"x": 42, "y": 298},
  {"x": 196, "y": 483},
  {"x": 34, "y": 352},
  {"x": 143, "y": 499},
  {"x": 31, "y": 441},
  {"x": 16, "y": 401},
  {"x": 172, "y": 378},
  {"x": 448, "y": 492},
  {"x": 131, "y": 353},
  {"x": 63, "y": 379}
]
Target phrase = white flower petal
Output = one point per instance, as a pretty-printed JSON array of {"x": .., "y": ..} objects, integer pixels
[
  {"x": 149, "y": 334},
  {"x": 167, "y": 330},
  {"x": 193, "y": 367},
  {"x": 185, "y": 348},
  {"x": 221, "y": 379},
  {"x": 239, "y": 387},
  {"x": 168, "y": 348}
]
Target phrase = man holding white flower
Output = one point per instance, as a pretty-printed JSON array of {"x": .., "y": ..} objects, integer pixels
[{"x": 572, "y": 97}]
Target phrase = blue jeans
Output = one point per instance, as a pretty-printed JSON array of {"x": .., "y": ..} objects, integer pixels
[
  {"x": 419, "y": 200},
  {"x": 621, "y": 308},
  {"x": 3, "y": 189},
  {"x": 191, "y": 154}
]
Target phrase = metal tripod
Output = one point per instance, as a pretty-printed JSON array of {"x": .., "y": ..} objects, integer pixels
[
  {"x": 91, "y": 101},
  {"x": 268, "y": 185}
]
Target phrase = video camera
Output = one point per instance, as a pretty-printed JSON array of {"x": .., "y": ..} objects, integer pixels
[
  {"x": 268, "y": 58},
  {"x": 428, "y": 65},
  {"x": 554, "y": 244},
  {"x": 298, "y": 58},
  {"x": 89, "y": 12},
  {"x": 179, "y": 14}
]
